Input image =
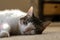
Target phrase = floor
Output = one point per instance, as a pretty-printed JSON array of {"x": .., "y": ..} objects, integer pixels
[{"x": 52, "y": 32}]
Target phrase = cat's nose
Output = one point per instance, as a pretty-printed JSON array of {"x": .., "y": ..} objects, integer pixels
[{"x": 29, "y": 29}]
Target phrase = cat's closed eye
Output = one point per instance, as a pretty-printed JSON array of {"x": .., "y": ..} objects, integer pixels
[{"x": 23, "y": 21}]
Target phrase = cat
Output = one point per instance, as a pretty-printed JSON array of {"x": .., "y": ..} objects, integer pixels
[
  {"x": 15, "y": 21},
  {"x": 32, "y": 24}
]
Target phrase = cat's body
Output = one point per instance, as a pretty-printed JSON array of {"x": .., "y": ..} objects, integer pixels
[
  {"x": 18, "y": 22},
  {"x": 11, "y": 18}
]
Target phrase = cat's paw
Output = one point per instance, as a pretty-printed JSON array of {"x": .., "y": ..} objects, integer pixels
[{"x": 4, "y": 34}]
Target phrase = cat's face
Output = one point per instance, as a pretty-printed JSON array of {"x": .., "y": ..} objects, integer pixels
[
  {"x": 31, "y": 24},
  {"x": 26, "y": 25}
]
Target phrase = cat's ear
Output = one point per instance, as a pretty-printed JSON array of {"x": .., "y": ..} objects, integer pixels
[{"x": 30, "y": 11}]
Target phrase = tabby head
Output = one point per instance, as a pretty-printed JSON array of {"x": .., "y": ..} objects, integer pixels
[{"x": 30, "y": 24}]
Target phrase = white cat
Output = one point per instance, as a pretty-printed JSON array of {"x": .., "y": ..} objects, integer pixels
[{"x": 15, "y": 21}]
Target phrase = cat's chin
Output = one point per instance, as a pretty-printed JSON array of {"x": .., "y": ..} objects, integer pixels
[{"x": 29, "y": 33}]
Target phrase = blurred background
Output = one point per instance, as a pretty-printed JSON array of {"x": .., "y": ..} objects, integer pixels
[{"x": 46, "y": 8}]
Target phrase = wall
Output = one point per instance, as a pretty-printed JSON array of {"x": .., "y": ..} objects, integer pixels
[
  {"x": 23, "y": 5},
  {"x": 15, "y": 4}
]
